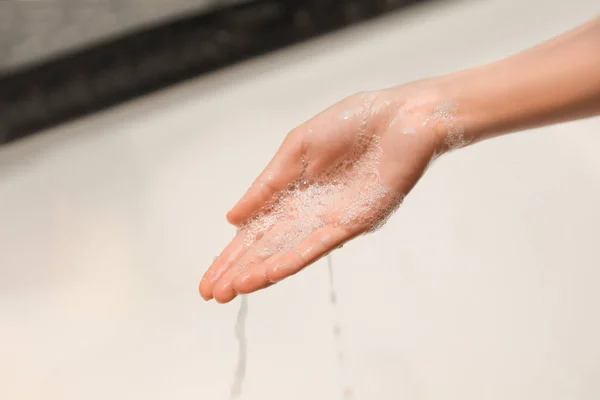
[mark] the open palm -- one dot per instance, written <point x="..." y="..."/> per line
<point x="335" y="177"/>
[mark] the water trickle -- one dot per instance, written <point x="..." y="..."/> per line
<point x="346" y="391"/>
<point x="240" y="334"/>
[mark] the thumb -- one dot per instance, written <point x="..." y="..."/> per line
<point x="286" y="166"/>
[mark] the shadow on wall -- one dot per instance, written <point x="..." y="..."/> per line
<point x="43" y="86"/>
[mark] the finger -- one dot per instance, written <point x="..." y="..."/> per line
<point x="318" y="245"/>
<point x="228" y="257"/>
<point x="256" y="278"/>
<point x="285" y="167"/>
<point x="258" y="253"/>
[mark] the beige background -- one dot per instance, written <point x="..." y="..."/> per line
<point x="483" y="286"/>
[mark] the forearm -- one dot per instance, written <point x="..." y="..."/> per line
<point x="555" y="82"/>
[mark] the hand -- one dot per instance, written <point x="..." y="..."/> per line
<point x="344" y="172"/>
<point x="335" y="177"/>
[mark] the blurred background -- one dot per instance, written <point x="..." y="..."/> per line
<point x="127" y="130"/>
<point x="61" y="59"/>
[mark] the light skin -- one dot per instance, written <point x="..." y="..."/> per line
<point x="557" y="81"/>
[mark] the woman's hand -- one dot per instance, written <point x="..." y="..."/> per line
<point x="345" y="171"/>
<point x="335" y="177"/>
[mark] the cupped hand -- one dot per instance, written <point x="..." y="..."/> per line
<point x="335" y="177"/>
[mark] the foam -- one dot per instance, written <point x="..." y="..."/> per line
<point x="351" y="193"/>
<point x="447" y="114"/>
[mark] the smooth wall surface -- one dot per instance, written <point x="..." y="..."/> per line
<point x="483" y="286"/>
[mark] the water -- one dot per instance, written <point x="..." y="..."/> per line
<point x="240" y="334"/>
<point x="347" y="392"/>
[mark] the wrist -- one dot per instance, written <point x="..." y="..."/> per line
<point x="432" y="107"/>
<point x="555" y="82"/>
<point x="473" y="105"/>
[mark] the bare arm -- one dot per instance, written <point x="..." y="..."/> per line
<point x="345" y="171"/>
<point x="557" y="81"/>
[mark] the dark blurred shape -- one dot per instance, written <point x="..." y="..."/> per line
<point x="39" y="96"/>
